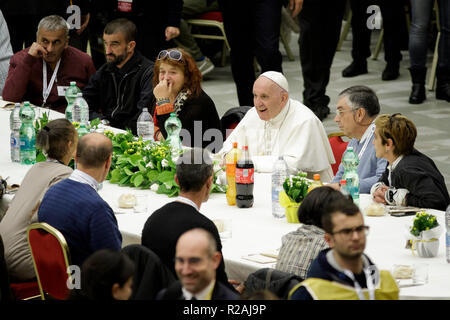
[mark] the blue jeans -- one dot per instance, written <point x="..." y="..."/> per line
<point x="420" y="20"/>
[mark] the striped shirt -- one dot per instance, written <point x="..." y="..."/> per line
<point x="299" y="248"/>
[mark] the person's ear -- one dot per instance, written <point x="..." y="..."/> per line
<point x="360" y="114"/>
<point x="328" y="239"/>
<point x="176" y="179"/>
<point x="131" y="46"/>
<point x="216" y="258"/>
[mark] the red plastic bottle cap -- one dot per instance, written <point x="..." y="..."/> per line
<point x="245" y="148"/>
<point x="343" y="182"/>
<point x="235" y="144"/>
<point x="317" y="176"/>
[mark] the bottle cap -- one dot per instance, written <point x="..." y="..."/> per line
<point x="173" y="114"/>
<point x="235" y="144"/>
<point x="245" y="148"/>
<point x="316" y="176"/>
<point x="73" y="83"/>
<point x="343" y="182"/>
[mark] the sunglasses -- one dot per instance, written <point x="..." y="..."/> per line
<point x="172" y="54"/>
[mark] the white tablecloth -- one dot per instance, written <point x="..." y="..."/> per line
<point x="254" y="230"/>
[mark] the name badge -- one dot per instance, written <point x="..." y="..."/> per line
<point x="62" y="90"/>
<point x="125" y="5"/>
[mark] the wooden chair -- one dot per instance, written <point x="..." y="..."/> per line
<point x="51" y="259"/>
<point x="338" y="145"/>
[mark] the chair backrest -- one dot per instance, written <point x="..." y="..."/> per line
<point x="338" y="146"/>
<point x="278" y="282"/>
<point x="231" y="119"/>
<point x="151" y="274"/>
<point x="51" y="259"/>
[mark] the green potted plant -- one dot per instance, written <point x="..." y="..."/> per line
<point x="295" y="188"/>
<point x="424" y="234"/>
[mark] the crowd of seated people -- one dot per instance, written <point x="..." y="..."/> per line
<point x="167" y="79"/>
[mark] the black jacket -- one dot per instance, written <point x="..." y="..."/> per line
<point x="220" y="292"/>
<point x="418" y="173"/>
<point x="119" y="95"/>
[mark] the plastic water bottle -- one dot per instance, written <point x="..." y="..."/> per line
<point x="350" y="162"/>
<point x="14" y="124"/>
<point x="71" y="95"/>
<point x="173" y="128"/>
<point x="145" y="125"/>
<point x="80" y="110"/>
<point x="344" y="189"/>
<point x="447" y="238"/>
<point x="279" y="175"/>
<point x="27" y="134"/>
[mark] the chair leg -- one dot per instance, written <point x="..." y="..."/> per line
<point x="345" y="31"/>
<point x="224" y="55"/>
<point x="378" y="46"/>
<point x="287" y="47"/>
<point x="432" y="80"/>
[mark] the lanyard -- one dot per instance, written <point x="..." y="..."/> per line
<point x="366" y="143"/>
<point x="187" y="201"/>
<point x="46" y="89"/>
<point x="369" y="282"/>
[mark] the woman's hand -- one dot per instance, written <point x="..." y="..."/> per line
<point x="378" y="195"/>
<point x="164" y="90"/>
<point x="159" y="136"/>
<point x="172" y="32"/>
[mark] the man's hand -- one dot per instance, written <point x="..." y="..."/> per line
<point x="172" y="32"/>
<point x="378" y="195"/>
<point x="37" y="51"/>
<point x="238" y="286"/>
<point x="295" y="6"/>
<point x="164" y="90"/>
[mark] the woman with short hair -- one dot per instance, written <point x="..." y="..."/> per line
<point x="411" y="178"/>
<point x="58" y="141"/>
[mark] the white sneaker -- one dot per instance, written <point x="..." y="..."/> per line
<point x="205" y="66"/>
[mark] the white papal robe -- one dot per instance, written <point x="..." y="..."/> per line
<point x="295" y="133"/>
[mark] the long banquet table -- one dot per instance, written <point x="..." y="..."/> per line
<point x="255" y="231"/>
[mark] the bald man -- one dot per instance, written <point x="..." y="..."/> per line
<point x="280" y="126"/>
<point x="74" y="207"/>
<point x="196" y="262"/>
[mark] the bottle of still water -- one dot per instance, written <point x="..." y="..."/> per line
<point x="279" y="175"/>
<point x="173" y="128"/>
<point x="71" y="95"/>
<point x="350" y="162"/>
<point x="145" y="125"/>
<point x="447" y="235"/>
<point x="80" y="114"/>
<point x="27" y="134"/>
<point x="14" y="124"/>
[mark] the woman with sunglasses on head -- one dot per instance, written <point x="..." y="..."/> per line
<point x="58" y="140"/>
<point x="177" y="89"/>
<point x="411" y="178"/>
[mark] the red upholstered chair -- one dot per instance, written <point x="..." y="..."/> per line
<point x="338" y="146"/>
<point x="51" y="260"/>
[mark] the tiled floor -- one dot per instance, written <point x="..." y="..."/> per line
<point x="432" y="118"/>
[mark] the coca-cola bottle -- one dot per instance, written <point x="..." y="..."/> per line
<point x="244" y="180"/>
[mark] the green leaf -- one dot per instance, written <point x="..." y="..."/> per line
<point x="163" y="190"/>
<point x="94" y="123"/>
<point x="166" y="177"/>
<point x="152" y="175"/>
<point x="142" y="168"/>
<point x="128" y="171"/>
<point x="124" y="181"/>
<point x="40" y="156"/>
<point x="134" y="159"/>
<point x="138" y="180"/>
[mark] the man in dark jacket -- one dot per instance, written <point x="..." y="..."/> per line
<point x="344" y="272"/>
<point x="196" y="262"/>
<point x="120" y="89"/>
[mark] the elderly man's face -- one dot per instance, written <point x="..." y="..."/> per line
<point x="54" y="42"/>
<point x="268" y="98"/>
<point x="345" y="118"/>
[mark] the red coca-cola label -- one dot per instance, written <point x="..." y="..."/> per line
<point x="124" y="5"/>
<point x="244" y="175"/>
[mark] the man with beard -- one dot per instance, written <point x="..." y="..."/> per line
<point x="121" y="88"/>
<point x="42" y="72"/>
<point x="343" y="271"/>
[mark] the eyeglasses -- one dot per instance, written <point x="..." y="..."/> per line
<point x="348" y="232"/>
<point x="340" y="112"/>
<point x="172" y="54"/>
